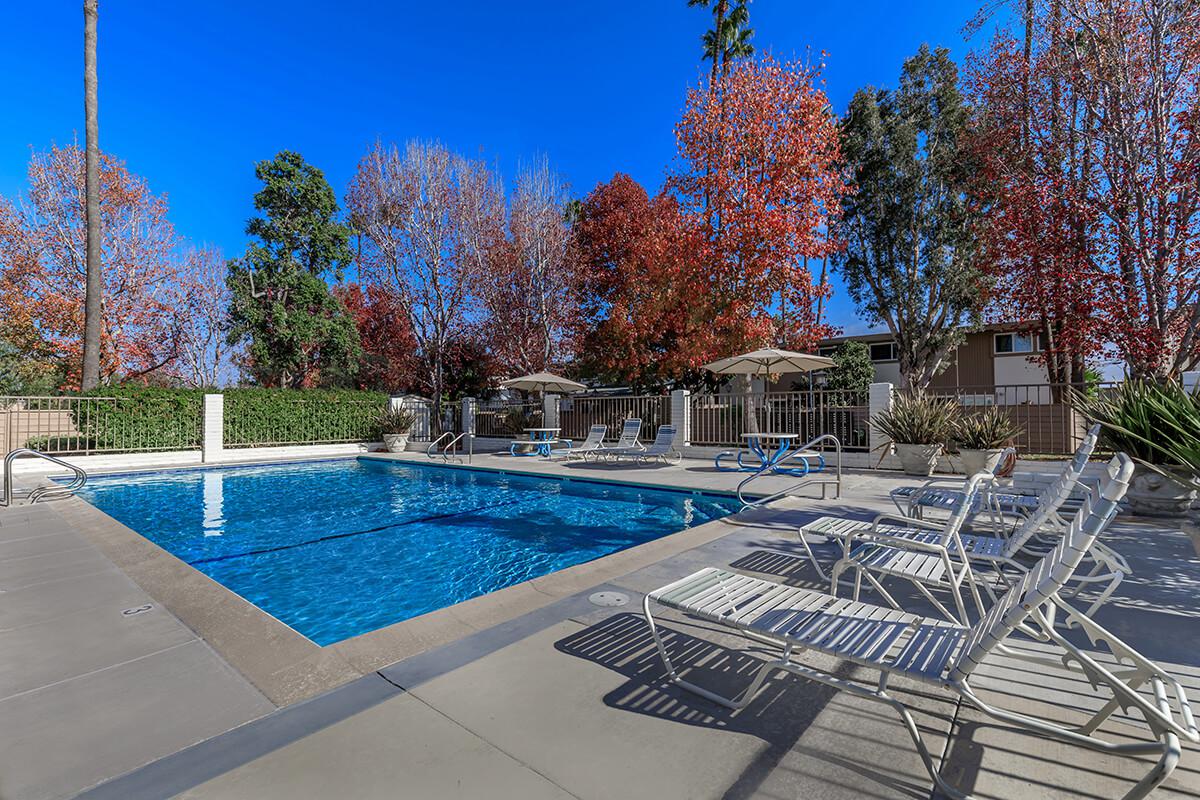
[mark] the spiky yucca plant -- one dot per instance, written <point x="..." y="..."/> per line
<point x="985" y="430"/>
<point x="918" y="418"/>
<point x="395" y="420"/>
<point x="1155" y="423"/>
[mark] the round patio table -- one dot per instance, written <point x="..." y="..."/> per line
<point x="540" y="442"/>
<point x="758" y="445"/>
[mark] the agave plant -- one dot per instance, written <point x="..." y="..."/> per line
<point x="1155" y="423"/>
<point x="918" y="418"/>
<point x="985" y="430"/>
<point x="395" y="421"/>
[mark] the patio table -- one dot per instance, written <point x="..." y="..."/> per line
<point x="758" y="445"/>
<point x="539" y="444"/>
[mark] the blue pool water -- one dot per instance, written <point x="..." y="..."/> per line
<point x="339" y="548"/>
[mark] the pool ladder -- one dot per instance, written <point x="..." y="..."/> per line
<point x="40" y="493"/>
<point x="821" y="478"/>
<point x="449" y="451"/>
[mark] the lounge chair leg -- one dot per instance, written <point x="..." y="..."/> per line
<point x="1161" y="770"/>
<point x="811" y="557"/>
<point x="734" y="703"/>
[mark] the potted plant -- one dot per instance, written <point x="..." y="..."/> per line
<point x="394" y="425"/>
<point x="918" y="425"/>
<point x="981" y="437"/>
<point x="1158" y="425"/>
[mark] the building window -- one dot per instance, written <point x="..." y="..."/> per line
<point x="883" y="351"/>
<point x="1017" y="343"/>
<point x="828" y="351"/>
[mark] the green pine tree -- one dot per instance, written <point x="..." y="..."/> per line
<point x="298" y="333"/>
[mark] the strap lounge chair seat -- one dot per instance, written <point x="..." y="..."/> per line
<point x="946" y="653"/>
<point x="631" y="429"/>
<point x="662" y="449"/>
<point x="594" y="443"/>
<point x="997" y="557"/>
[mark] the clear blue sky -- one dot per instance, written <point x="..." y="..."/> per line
<point x="191" y="95"/>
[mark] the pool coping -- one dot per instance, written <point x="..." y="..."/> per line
<point x="286" y="666"/>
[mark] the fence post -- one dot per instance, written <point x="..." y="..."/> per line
<point x="468" y="415"/>
<point x="550" y="411"/>
<point x="1191" y="380"/>
<point x="213" y="441"/>
<point x="681" y="417"/>
<point x="879" y="399"/>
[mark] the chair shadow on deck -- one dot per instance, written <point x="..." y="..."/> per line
<point x="784" y="708"/>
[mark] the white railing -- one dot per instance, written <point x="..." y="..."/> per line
<point x="721" y="420"/>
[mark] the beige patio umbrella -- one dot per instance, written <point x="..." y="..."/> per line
<point x="543" y="382"/>
<point x="769" y="361"/>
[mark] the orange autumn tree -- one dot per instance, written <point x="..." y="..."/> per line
<point x="759" y="176"/>
<point x="43" y="269"/>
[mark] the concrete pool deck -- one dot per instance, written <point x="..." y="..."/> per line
<point x="544" y="696"/>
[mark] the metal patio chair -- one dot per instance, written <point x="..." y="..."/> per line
<point x="947" y="654"/>
<point x="662" y="449"/>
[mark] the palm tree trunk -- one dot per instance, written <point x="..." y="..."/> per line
<point x="90" y="377"/>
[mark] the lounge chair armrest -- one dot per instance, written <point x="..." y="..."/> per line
<point x="901" y="542"/>
<point x="907" y="522"/>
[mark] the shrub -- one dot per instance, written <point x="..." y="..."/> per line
<point x="985" y="430"/>
<point x="300" y="416"/>
<point x="132" y="418"/>
<point x="1157" y="424"/>
<point x="395" y="421"/>
<point x="918" y="418"/>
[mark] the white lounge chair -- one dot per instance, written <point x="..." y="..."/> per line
<point x="927" y="554"/>
<point x="1020" y="499"/>
<point x="1001" y="557"/>
<point x="662" y="448"/>
<point x="594" y="443"/>
<point x="631" y="429"/>
<point x="946" y="654"/>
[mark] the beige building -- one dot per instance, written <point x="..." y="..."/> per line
<point x="996" y="362"/>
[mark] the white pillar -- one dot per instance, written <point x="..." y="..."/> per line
<point x="468" y="415"/>
<point x="213" y="442"/>
<point x="681" y="416"/>
<point x="879" y="399"/>
<point x="550" y="411"/>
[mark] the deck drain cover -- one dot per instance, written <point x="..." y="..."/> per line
<point x="608" y="599"/>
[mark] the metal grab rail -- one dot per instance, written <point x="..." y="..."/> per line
<point x="814" y="479"/>
<point x="433" y="445"/>
<point x="450" y="450"/>
<point x="41" y="492"/>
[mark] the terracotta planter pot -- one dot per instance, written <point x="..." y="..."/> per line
<point x="918" y="459"/>
<point x="1153" y="495"/>
<point x="395" y="442"/>
<point x="973" y="461"/>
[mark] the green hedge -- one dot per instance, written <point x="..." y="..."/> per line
<point x="138" y="418"/>
<point x="118" y="418"/>
<point x="310" y="416"/>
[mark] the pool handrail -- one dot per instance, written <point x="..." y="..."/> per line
<point x="41" y="492"/>
<point x="821" y="479"/>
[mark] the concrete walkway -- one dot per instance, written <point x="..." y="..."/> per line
<point x="569" y="701"/>
<point x="96" y="679"/>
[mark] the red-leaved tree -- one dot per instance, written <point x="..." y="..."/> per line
<point x="389" y="361"/>
<point x="640" y="287"/>
<point x="43" y="269"/>
<point x="526" y="279"/>
<point x="1090" y="137"/>
<point x="759" y="176"/>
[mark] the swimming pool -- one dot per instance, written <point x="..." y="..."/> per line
<point x="339" y="548"/>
